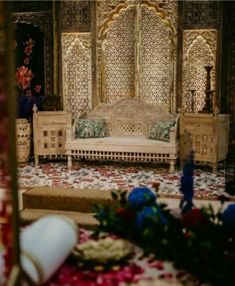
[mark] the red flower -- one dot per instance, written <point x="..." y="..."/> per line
<point x="194" y="218"/>
<point x="26" y="60"/>
<point x="30" y="42"/>
<point x="125" y="214"/>
<point x="24" y="77"/>
<point x="37" y="88"/>
<point x="28" y="50"/>
<point x="29" y="46"/>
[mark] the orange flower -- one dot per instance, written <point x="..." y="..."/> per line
<point x="29" y="46"/>
<point x="26" y="61"/>
<point x="28" y="50"/>
<point x="23" y="77"/>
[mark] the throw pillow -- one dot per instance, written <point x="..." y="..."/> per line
<point x="90" y="128"/>
<point x="160" y="130"/>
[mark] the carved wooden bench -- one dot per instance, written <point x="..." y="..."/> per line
<point x="128" y="124"/>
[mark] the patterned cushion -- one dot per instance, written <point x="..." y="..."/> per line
<point x="160" y="130"/>
<point x="90" y="128"/>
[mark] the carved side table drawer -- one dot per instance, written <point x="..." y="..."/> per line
<point x="208" y="134"/>
<point x="49" y="133"/>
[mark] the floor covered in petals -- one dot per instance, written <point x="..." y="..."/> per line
<point x="114" y="176"/>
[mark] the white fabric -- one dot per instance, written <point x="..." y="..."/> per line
<point x="121" y="140"/>
<point x="48" y="242"/>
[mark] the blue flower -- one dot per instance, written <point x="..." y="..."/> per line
<point x="228" y="216"/>
<point x="149" y="216"/>
<point x="140" y="197"/>
<point x="186" y="186"/>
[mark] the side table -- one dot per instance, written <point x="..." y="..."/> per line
<point x="49" y="134"/>
<point x="208" y="135"/>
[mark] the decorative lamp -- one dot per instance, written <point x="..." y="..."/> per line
<point x="207" y="108"/>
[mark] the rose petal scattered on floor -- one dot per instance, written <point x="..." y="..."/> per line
<point x="119" y="176"/>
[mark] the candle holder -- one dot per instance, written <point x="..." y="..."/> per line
<point x="207" y="108"/>
<point x="192" y="99"/>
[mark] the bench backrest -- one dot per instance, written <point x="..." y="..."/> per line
<point x="129" y="117"/>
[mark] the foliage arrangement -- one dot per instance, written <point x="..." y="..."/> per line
<point x="198" y="240"/>
<point x="29" y="91"/>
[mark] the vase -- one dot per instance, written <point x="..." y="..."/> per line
<point x="23" y="139"/>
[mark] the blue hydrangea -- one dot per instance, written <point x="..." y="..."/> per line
<point x="140" y="197"/>
<point x="148" y="216"/>
<point x="187" y="187"/>
<point x="228" y="216"/>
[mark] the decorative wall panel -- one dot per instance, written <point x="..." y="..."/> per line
<point x="201" y="14"/>
<point x="43" y="21"/>
<point x="199" y="50"/>
<point x="136" y="50"/>
<point x="157" y="60"/>
<point x="75" y="15"/>
<point x="29" y="6"/>
<point x="118" y="74"/>
<point x="104" y="8"/>
<point x="171" y="9"/>
<point x="76" y="74"/>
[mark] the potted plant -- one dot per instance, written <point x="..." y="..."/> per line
<point x="28" y="93"/>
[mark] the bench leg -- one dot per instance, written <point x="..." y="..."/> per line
<point x="69" y="162"/>
<point x="214" y="167"/>
<point x="172" y="166"/>
<point x="36" y="161"/>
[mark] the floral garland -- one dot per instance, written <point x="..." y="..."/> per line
<point x="198" y="240"/>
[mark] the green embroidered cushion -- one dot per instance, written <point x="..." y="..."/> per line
<point x="160" y="130"/>
<point x="90" y="128"/>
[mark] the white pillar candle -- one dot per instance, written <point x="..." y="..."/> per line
<point x="45" y="244"/>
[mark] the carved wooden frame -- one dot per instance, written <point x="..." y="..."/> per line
<point x="101" y="37"/>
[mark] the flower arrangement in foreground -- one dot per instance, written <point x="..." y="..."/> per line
<point x="103" y="251"/>
<point x="198" y="240"/>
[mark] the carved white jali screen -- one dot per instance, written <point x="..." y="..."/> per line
<point x="118" y="73"/>
<point x="199" y="50"/>
<point x="157" y="60"/>
<point x="76" y="72"/>
<point x="137" y="51"/>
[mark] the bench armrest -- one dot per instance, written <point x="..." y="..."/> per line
<point x="69" y="129"/>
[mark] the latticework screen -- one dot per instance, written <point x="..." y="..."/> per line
<point x="156" y="60"/>
<point x="118" y="74"/>
<point x="138" y="44"/>
<point x="76" y="61"/>
<point x="199" y="50"/>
